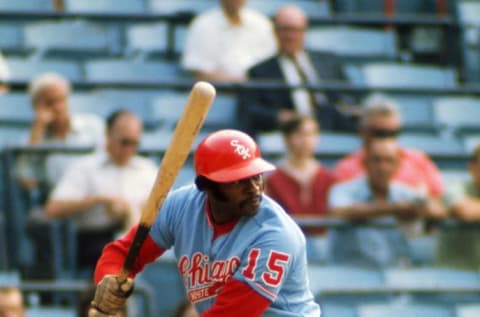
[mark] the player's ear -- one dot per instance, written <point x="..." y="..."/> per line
<point x="202" y="183"/>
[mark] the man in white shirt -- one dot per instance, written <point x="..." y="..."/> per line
<point x="104" y="192"/>
<point x="224" y="42"/>
<point x="53" y="124"/>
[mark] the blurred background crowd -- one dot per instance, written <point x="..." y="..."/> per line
<point x="369" y="109"/>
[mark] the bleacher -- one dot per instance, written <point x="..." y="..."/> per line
<point x="425" y="54"/>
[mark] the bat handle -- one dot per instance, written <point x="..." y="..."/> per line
<point x="140" y="237"/>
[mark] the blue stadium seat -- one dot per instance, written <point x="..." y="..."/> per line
<point x="146" y="39"/>
<point x="16" y="109"/>
<point x="50" y="312"/>
<point x="338" y="310"/>
<point x="4" y="263"/>
<point x="377" y="6"/>
<point x="27" y="69"/>
<point x="406" y="310"/>
<point x="432" y="145"/>
<point x="325" y="278"/>
<point x="91" y="103"/>
<point x="471" y="310"/>
<point x="56" y="38"/>
<point x="357" y="43"/>
<point x="11" y="38"/>
<point x="181" y="6"/>
<point x="118" y="70"/>
<point x="106" y="6"/>
<point x="271" y="143"/>
<point x="470" y="142"/>
<point x="431" y="278"/>
<point x="222" y="113"/>
<point x="422" y="249"/>
<point x="408" y="75"/>
<point x="469" y="20"/>
<point x="457" y="114"/>
<point x="416" y="112"/>
<point x="26" y="5"/>
<point x="313" y="8"/>
<point x="11" y="136"/>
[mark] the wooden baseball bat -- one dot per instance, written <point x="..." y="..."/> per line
<point x="188" y="126"/>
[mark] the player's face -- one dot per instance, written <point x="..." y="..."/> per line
<point x="243" y="197"/>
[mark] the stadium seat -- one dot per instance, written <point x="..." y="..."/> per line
<point x="4" y="265"/>
<point x="146" y="39"/>
<point x="181" y="6"/>
<point x="326" y="278"/>
<point x="377" y="6"/>
<point x="422" y="249"/>
<point x="470" y="142"/>
<point x="27" y="69"/>
<point x="50" y="312"/>
<point x="118" y="70"/>
<point x="16" y="109"/>
<point x="11" y="38"/>
<point x="432" y="145"/>
<point x="106" y="6"/>
<point x="416" y="112"/>
<point x="91" y="103"/>
<point x="56" y="38"/>
<point x="354" y="43"/>
<point x="338" y="310"/>
<point x="11" y="136"/>
<point x="457" y="114"/>
<point x="313" y="8"/>
<point x="408" y="75"/>
<point x="271" y="143"/>
<point x="222" y="113"/>
<point x="26" y="5"/>
<point x="406" y="310"/>
<point x="469" y="21"/>
<point x="472" y="310"/>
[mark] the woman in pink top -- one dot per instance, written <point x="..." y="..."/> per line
<point x="300" y="183"/>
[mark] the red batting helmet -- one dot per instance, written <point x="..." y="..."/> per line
<point x="229" y="155"/>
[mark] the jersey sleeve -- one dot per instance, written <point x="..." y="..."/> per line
<point x="266" y="264"/>
<point x="114" y="254"/>
<point x="163" y="230"/>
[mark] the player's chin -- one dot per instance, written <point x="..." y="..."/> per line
<point x="251" y="206"/>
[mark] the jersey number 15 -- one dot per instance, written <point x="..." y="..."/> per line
<point x="275" y="267"/>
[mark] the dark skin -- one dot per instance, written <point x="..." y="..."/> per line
<point x="229" y="201"/>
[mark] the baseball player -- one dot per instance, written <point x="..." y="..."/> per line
<point x="238" y="252"/>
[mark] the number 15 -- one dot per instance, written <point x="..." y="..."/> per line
<point x="276" y="263"/>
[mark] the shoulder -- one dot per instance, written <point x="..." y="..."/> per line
<point x="144" y="163"/>
<point x="265" y="66"/>
<point x="255" y="17"/>
<point x="272" y="223"/>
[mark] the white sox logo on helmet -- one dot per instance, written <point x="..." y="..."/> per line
<point x="241" y="149"/>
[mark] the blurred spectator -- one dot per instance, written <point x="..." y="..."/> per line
<point x="224" y="42"/>
<point x="300" y="183"/>
<point x="105" y="192"/>
<point x="459" y="246"/>
<point x="54" y="125"/>
<point x="11" y="302"/>
<point x="185" y="309"/>
<point x="4" y="74"/>
<point x="377" y="195"/>
<point x="382" y="119"/>
<point x="263" y="110"/>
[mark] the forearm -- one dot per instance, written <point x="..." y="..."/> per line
<point x="467" y="210"/>
<point x="58" y="208"/>
<point x="36" y="133"/>
<point x="435" y="209"/>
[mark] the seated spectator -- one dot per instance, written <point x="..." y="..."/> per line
<point x="263" y="110"/>
<point x="52" y="125"/>
<point x="458" y="246"/>
<point x="185" y="309"/>
<point x="382" y="119"/>
<point x="105" y="192"/>
<point x="300" y="183"/>
<point x="11" y="302"/>
<point x="224" y="42"/>
<point x="377" y="195"/>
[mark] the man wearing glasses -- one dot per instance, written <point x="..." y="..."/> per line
<point x="104" y="192"/>
<point x="382" y="119"/>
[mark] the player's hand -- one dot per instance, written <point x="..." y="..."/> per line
<point x="92" y="312"/>
<point x="110" y="296"/>
<point x="43" y="115"/>
<point x="118" y="207"/>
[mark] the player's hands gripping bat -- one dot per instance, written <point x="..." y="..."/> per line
<point x="111" y="297"/>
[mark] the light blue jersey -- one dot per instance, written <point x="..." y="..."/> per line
<point x="266" y="251"/>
